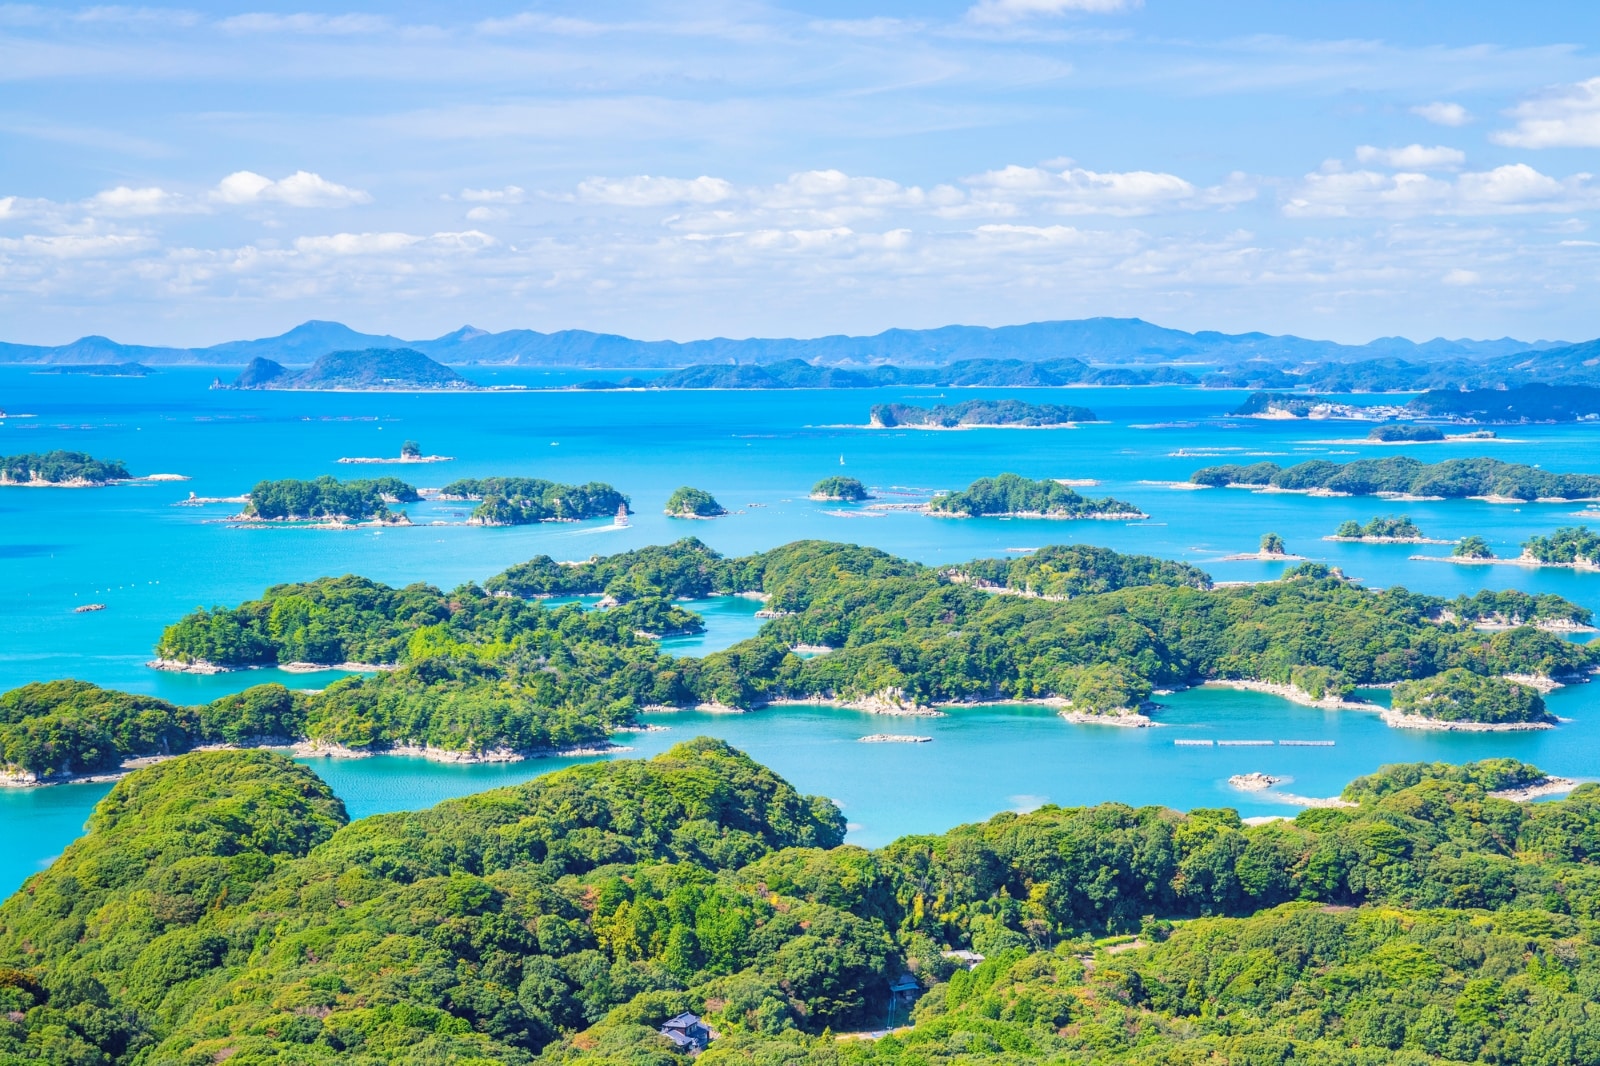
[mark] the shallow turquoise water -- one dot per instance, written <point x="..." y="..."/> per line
<point x="149" y="562"/>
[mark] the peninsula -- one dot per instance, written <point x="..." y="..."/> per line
<point x="98" y="370"/>
<point x="516" y="501"/>
<point x="1459" y="699"/>
<point x="1522" y="404"/>
<point x="978" y="414"/>
<point x="572" y="917"/>
<point x="372" y="370"/>
<point x="60" y="469"/>
<point x="1013" y="496"/>
<point x="1404" y="477"/>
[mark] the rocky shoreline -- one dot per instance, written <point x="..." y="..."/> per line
<point x="201" y="666"/>
<point x="1292" y="694"/>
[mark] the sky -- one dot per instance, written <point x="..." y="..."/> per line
<point x="188" y="175"/>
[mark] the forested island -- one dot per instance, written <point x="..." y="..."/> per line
<point x="222" y="905"/>
<point x="1576" y="547"/>
<point x="98" y="370"/>
<point x="326" y="499"/>
<point x="1524" y="403"/>
<point x="1401" y="475"/>
<point x="840" y="489"/>
<point x="1405" y="434"/>
<point x="485" y="668"/>
<point x="1014" y="496"/>
<point x="689" y="502"/>
<point x="1384" y="530"/>
<point x="61" y="469"/>
<point x="799" y="374"/>
<point x="978" y="414"/>
<point x="371" y="370"/>
<point x="1460" y="698"/>
<point x="515" y="501"/>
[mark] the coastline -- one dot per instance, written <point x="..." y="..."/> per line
<point x="1388" y="540"/>
<point x="1526" y="561"/>
<point x="1292" y="694"/>
<point x="1104" y="516"/>
<point x="201" y="666"/>
<point x="1262" y="557"/>
<point x="1549" y="786"/>
<point x="1395" y="720"/>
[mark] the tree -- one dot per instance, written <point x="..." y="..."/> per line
<point x="1272" y="544"/>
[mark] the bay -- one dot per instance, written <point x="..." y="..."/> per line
<point x="150" y="561"/>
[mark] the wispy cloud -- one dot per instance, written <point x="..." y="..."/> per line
<point x="1412" y="157"/>
<point x="1005" y="11"/>
<point x="1441" y="113"/>
<point x="1568" y="117"/>
<point x="1514" y="189"/>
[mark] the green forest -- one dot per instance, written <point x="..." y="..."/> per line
<point x="327" y="498"/>
<point x="222" y="907"/>
<point x="491" y="667"/>
<point x="840" y="488"/>
<point x="1011" y="494"/>
<point x="689" y="502"/>
<point x="1380" y="528"/>
<point x="515" y="501"/>
<point x="979" y="413"/>
<point x="61" y="467"/>
<point x="1451" y="479"/>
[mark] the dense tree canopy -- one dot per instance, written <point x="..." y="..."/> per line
<point x="515" y="501"/>
<point x="61" y="467"/>
<point x="1451" y="479"/>
<point x="324" y="497"/>
<point x="1011" y="494"/>
<point x="689" y="502"/>
<point x="220" y="908"/>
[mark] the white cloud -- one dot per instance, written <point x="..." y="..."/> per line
<point x="300" y="189"/>
<point x="487" y="214"/>
<point x="125" y="201"/>
<point x="77" y="246"/>
<point x="1508" y="190"/>
<point x="367" y="244"/>
<point x="1566" y="118"/>
<point x="1078" y="191"/>
<point x="1441" y="113"/>
<point x="1412" y="157"/>
<point x="1005" y="11"/>
<point x="511" y="194"/>
<point x="311" y="24"/>
<point x="647" y="191"/>
<point x="1462" y="277"/>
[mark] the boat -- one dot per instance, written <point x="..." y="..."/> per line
<point x="89" y="607"/>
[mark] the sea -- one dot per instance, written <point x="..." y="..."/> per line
<point x="149" y="559"/>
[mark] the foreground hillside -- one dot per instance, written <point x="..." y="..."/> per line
<point x="221" y="909"/>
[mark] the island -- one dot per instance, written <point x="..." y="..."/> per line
<point x="1473" y="548"/>
<point x="1459" y="699"/>
<point x="1383" y="530"/>
<point x="1570" y="547"/>
<point x="1289" y="405"/>
<point x="1272" y="550"/>
<point x="60" y="469"/>
<point x="328" y="501"/>
<point x="963" y="373"/>
<point x="1404" y="477"/>
<point x="1403" y="434"/>
<point x="577" y="916"/>
<point x="515" y="501"/>
<point x="687" y="502"/>
<point x="1516" y="405"/>
<point x="370" y="370"/>
<point x="410" y="452"/>
<point x="978" y="414"/>
<point x="98" y="370"/>
<point x="840" y="490"/>
<point x="1014" y="496"/>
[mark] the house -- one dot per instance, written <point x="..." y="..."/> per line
<point x="969" y="959"/>
<point x="687" y="1033"/>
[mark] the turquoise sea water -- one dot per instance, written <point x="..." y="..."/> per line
<point x="149" y="561"/>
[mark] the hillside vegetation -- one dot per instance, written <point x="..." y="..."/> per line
<point x="221" y="908"/>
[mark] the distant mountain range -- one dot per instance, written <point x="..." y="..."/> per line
<point x="1091" y="340"/>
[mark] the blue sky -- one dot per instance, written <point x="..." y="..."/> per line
<point x="194" y="174"/>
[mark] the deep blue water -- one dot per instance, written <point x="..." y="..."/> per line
<point x="149" y="561"/>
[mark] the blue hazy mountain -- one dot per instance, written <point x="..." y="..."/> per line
<point x="1096" y="340"/>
